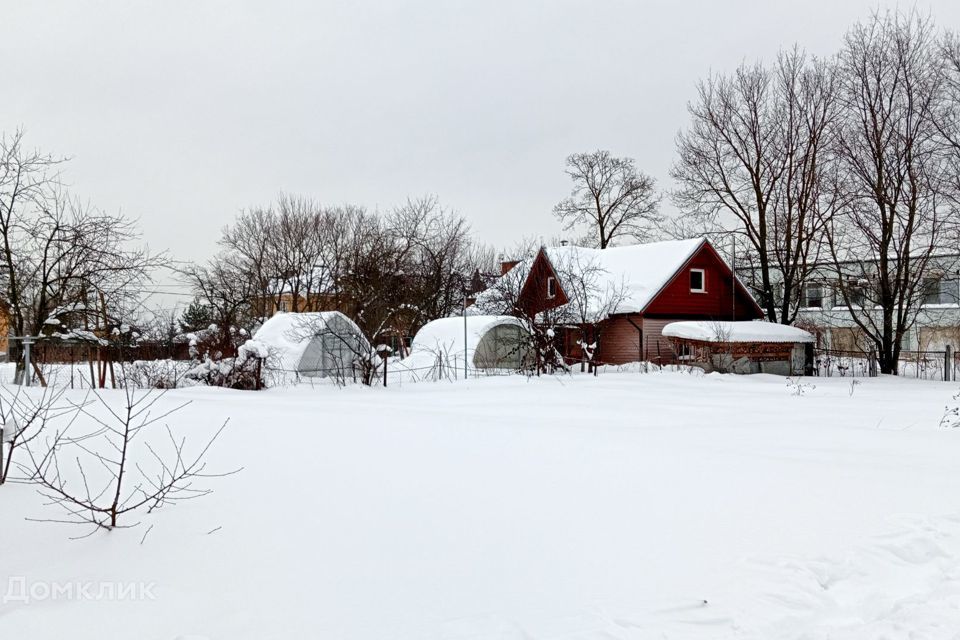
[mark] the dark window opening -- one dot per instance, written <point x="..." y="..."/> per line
<point x="813" y="296"/>
<point x="697" y="278"/>
<point x="940" y="291"/>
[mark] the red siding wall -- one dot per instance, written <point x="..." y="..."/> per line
<point x="656" y="348"/>
<point x="678" y="302"/>
<point x="534" y="297"/>
<point x="620" y="341"/>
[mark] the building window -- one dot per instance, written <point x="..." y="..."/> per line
<point x="856" y="293"/>
<point x="813" y="296"/>
<point x="949" y="292"/>
<point x="284" y="306"/>
<point x="698" y="281"/>
<point x="551" y="287"/>
<point x="941" y="291"/>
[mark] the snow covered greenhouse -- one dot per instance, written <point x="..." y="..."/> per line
<point x="489" y="343"/>
<point x="316" y="345"/>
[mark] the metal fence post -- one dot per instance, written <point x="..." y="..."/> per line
<point x="27" y="371"/>
<point x="947" y="362"/>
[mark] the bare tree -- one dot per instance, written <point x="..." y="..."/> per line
<point x="950" y="115"/>
<point x="592" y="297"/>
<point x="437" y="256"/>
<point x="229" y="294"/>
<point x="753" y="163"/>
<point x="389" y="273"/>
<point x="610" y="198"/>
<point x="101" y="463"/>
<point x="284" y="252"/>
<point x="63" y="261"/>
<point x="22" y="417"/>
<point x="898" y="194"/>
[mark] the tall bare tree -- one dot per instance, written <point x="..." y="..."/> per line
<point x="283" y="249"/>
<point x="950" y="116"/>
<point x="611" y="199"/>
<point x="390" y="273"/>
<point x="899" y="209"/>
<point x="63" y="261"/>
<point x="753" y="163"/>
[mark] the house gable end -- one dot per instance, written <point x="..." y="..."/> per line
<point x="714" y="298"/>
<point x="534" y="296"/>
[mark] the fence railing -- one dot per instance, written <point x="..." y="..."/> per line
<point x="840" y="363"/>
<point x="69" y="352"/>
<point x="922" y="365"/>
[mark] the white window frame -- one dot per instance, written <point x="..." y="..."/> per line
<point x="703" y="280"/>
<point x="551" y="287"/>
<point x="823" y="295"/>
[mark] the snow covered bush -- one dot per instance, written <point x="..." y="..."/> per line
<point x="798" y="387"/>
<point x="153" y="374"/>
<point x="951" y="413"/>
<point x="243" y="372"/>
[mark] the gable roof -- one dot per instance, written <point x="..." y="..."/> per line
<point x="634" y="274"/>
<point x="639" y="272"/>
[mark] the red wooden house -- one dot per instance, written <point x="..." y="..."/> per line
<point x="618" y="300"/>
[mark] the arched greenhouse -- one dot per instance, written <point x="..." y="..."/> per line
<point x="315" y="345"/>
<point x="488" y="342"/>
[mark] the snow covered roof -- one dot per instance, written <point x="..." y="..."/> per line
<point x="759" y="331"/>
<point x="446" y="334"/>
<point x="633" y="274"/>
<point x="640" y="270"/>
<point x="287" y="335"/>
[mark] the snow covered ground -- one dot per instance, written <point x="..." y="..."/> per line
<point x="623" y="506"/>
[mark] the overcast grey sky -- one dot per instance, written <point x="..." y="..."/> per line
<point x="182" y="113"/>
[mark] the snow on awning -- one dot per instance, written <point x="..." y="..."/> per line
<point x="709" y="331"/>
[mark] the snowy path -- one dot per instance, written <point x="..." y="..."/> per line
<point x="576" y="508"/>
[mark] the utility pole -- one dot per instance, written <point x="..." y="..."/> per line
<point x="733" y="278"/>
